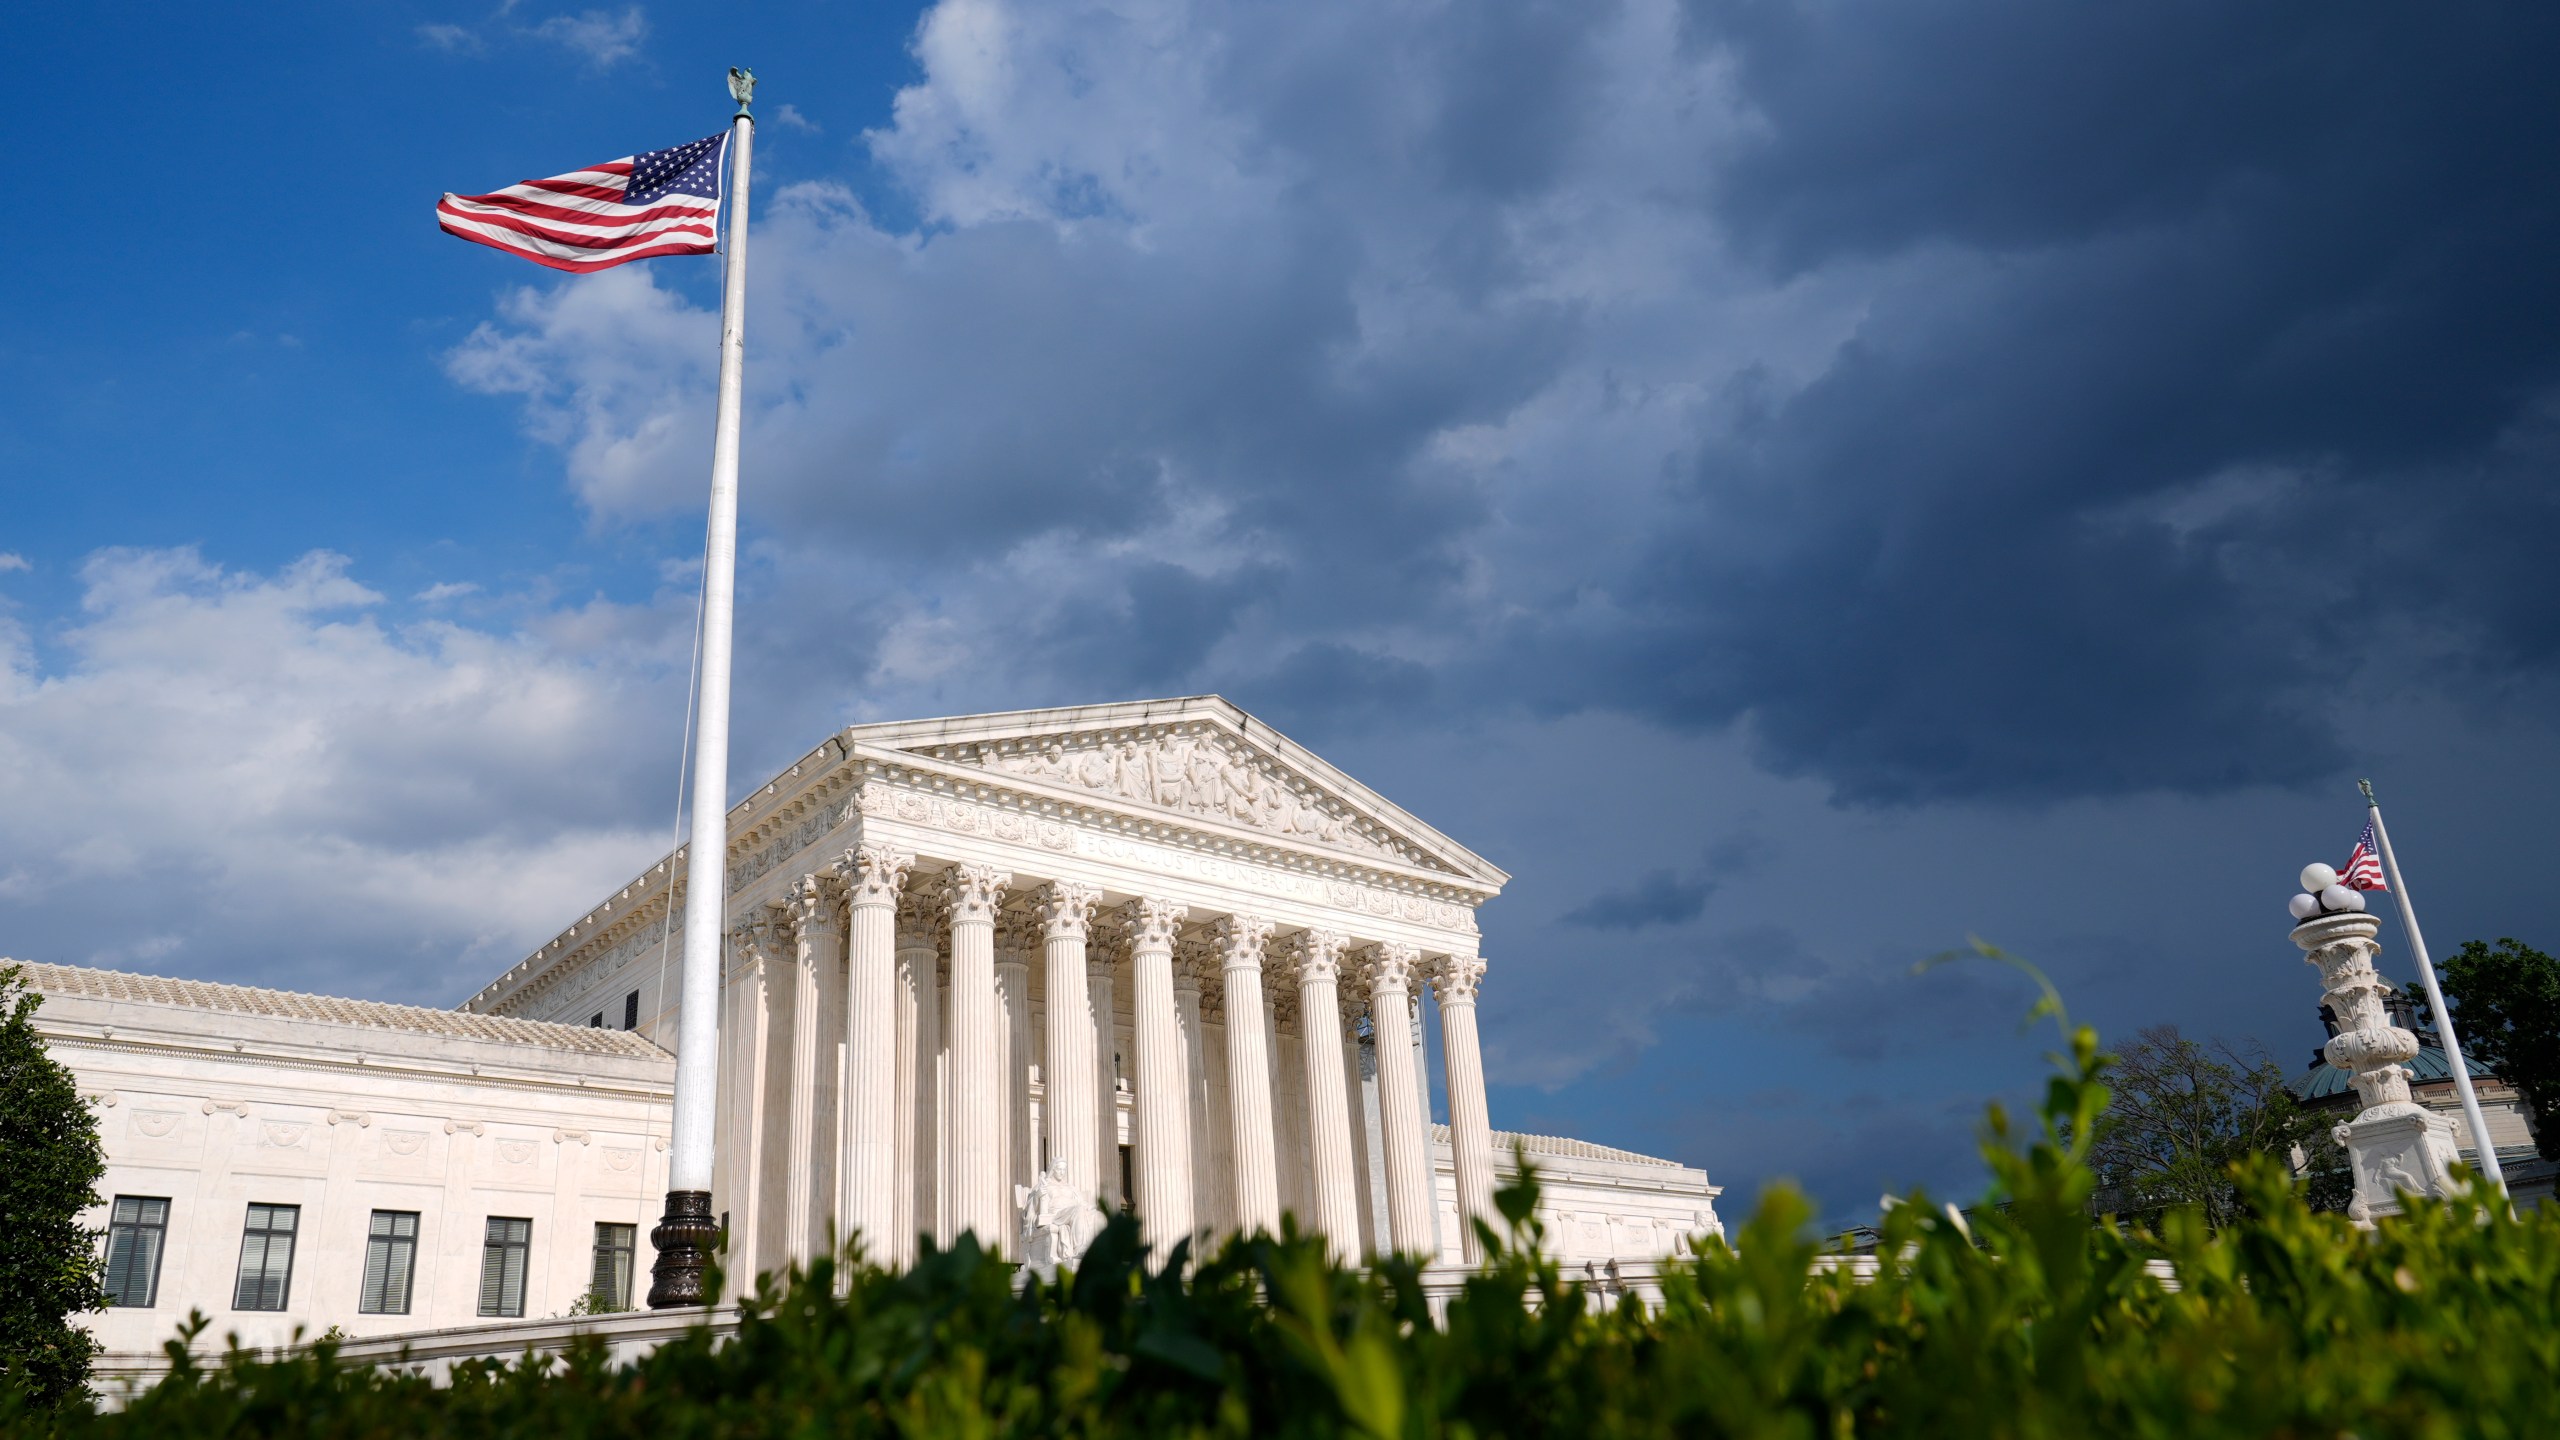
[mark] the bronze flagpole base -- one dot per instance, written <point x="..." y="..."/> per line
<point x="684" y="1239"/>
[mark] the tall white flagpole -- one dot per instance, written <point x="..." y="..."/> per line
<point x="686" y="1236"/>
<point x="2435" y="997"/>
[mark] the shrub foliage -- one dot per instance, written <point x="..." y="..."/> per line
<point x="2024" y="1320"/>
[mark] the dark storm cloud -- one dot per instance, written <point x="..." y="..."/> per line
<point x="1660" y="898"/>
<point x="2136" y="251"/>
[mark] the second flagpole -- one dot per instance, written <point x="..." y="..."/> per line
<point x="2435" y="997"/>
<point x="686" y="1237"/>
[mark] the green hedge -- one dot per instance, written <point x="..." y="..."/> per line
<point x="2033" y="1323"/>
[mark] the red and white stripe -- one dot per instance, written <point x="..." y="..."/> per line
<point x="578" y="222"/>
<point x="2363" y="870"/>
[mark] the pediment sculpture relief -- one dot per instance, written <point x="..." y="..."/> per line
<point x="1205" y="775"/>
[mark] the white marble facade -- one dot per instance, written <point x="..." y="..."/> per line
<point x="1156" y="940"/>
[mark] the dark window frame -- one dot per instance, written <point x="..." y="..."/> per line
<point x="123" y="1233"/>
<point x="616" y="1259"/>
<point x="259" y="1235"/>
<point x="503" y="1237"/>
<point x="374" y="1289"/>
<point x="631" y="1011"/>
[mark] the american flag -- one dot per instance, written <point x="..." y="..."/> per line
<point x="2363" y="870"/>
<point x="659" y="202"/>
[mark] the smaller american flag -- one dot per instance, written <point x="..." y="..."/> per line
<point x="2363" y="870"/>
<point x="659" y="202"/>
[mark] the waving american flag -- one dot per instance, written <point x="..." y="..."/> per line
<point x="659" y="202"/>
<point x="2363" y="870"/>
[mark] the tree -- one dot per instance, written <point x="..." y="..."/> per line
<point x="2182" y="1113"/>
<point x="49" y="1261"/>
<point x="2507" y="1000"/>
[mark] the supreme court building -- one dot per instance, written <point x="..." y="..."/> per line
<point x="1157" y="944"/>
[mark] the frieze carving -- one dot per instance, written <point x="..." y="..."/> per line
<point x="515" y="1152"/>
<point x="622" y="1158"/>
<point x="280" y="1135"/>
<point x="1210" y="775"/>
<point x="404" y="1142"/>
<point x="789" y="842"/>
<point x="155" y="1124"/>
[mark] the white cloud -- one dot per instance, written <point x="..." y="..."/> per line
<point x="10" y="561"/>
<point x="602" y="38"/>
<point x="259" y="773"/>
<point x="446" y="590"/>
<point x="788" y="115"/>
<point x="451" y="39"/>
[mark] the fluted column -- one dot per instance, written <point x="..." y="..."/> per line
<point x="1316" y="955"/>
<point x="873" y="878"/>
<point x="1239" y="940"/>
<point x="1391" y="971"/>
<point x="919" y="1063"/>
<point x="1454" y="981"/>
<point x="815" y="1006"/>
<point x="1164" y="1119"/>
<point x="1103" y="987"/>
<point x="1014" y="938"/>
<point x="1210" y="1211"/>
<point x="1065" y="911"/>
<point x="972" y="893"/>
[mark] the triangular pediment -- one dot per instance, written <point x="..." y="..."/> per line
<point x="1200" y="757"/>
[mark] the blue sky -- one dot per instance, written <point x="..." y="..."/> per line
<point x="1795" y="484"/>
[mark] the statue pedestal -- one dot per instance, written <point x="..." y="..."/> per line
<point x="2394" y="1152"/>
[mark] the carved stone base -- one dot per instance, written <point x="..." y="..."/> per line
<point x="2403" y="1151"/>
<point x="685" y="1239"/>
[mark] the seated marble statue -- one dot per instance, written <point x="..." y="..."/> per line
<point x="1058" y="1221"/>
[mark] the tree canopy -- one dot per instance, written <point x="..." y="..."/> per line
<point x="2182" y="1113"/>
<point x="2506" y="1005"/>
<point x="50" y="1162"/>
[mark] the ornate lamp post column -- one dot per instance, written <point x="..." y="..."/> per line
<point x="2395" y="1146"/>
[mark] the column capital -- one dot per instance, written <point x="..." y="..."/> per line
<point x="1017" y="937"/>
<point x="812" y="902"/>
<point x="1065" y="909"/>
<point x="1315" y="954"/>
<point x="1456" y="979"/>
<point x="1390" y="965"/>
<point x="973" y="892"/>
<point x="874" y="874"/>
<point x="1152" y="922"/>
<point x="1239" y="939"/>
<point x="919" y="919"/>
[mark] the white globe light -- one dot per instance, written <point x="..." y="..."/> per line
<point x="2316" y="878"/>
<point x="2305" y="906"/>
<point x="2354" y="900"/>
<point x="2339" y="897"/>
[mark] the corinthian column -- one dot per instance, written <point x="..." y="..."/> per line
<point x="1066" y="918"/>
<point x="919" y="1064"/>
<point x="815" y="1006"/>
<point x="972" y="893"/>
<point x="1317" y="957"/>
<point x="1239" y="940"/>
<point x="1391" y="973"/>
<point x="873" y="876"/>
<point x="1454" y="981"/>
<point x="1014" y="939"/>
<point x="1164" y="1119"/>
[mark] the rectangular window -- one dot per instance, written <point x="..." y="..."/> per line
<point x="631" y="1011"/>
<point x="1128" y="1181"/>
<point x="596" y="1021"/>
<point x="610" y="1290"/>
<point x="390" y="1263"/>
<point x="137" y="1229"/>
<point x="504" y="1256"/>
<point x="266" y="1257"/>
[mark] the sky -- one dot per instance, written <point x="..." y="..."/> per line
<point x="1796" y="484"/>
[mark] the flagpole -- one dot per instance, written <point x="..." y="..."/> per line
<point x="2435" y="996"/>
<point x="686" y="1237"/>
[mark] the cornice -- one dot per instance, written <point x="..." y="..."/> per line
<point x="577" y="1083"/>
